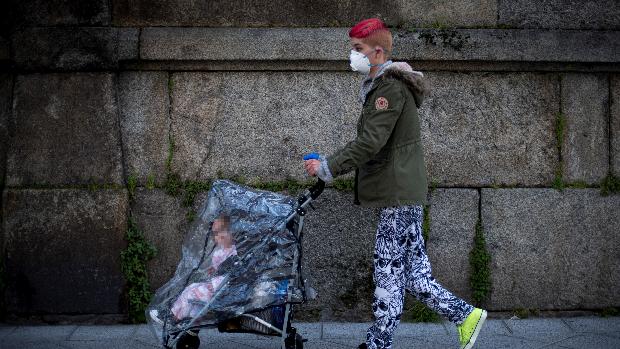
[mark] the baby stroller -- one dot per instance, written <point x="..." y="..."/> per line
<point x="240" y="269"/>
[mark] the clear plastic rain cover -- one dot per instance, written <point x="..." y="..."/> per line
<point x="238" y="257"/>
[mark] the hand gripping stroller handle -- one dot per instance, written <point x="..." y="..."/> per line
<point x="317" y="189"/>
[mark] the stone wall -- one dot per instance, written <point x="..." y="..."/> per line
<point x="96" y="93"/>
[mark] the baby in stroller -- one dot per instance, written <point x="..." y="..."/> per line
<point x="240" y="269"/>
<point x="200" y="292"/>
<point x="191" y="301"/>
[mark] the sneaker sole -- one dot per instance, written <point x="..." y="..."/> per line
<point x="473" y="338"/>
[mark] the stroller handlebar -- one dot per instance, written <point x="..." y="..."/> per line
<point x="317" y="189"/>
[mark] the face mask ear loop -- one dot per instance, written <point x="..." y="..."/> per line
<point x="373" y="65"/>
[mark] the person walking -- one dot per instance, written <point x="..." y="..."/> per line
<point x="390" y="173"/>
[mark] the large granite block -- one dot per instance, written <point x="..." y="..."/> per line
<point x="331" y="44"/>
<point x="338" y="245"/>
<point x="453" y="215"/>
<point x="74" y="48"/>
<point x="289" y="13"/>
<point x="567" y="14"/>
<point x="478" y="129"/>
<point x="485" y="129"/>
<point x="552" y="250"/>
<point x="506" y="45"/>
<point x="585" y="152"/>
<point x="615" y="123"/>
<point x="65" y="130"/>
<point x="60" y="12"/>
<point x="258" y="125"/>
<point x="143" y="102"/>
<point x="244" y="43"/>
<point x="63" y="250"/>
<point x="162" y="220"/>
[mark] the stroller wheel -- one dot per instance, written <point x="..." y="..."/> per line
<point x="294" y="342"/>
<point x="188" y="341"/>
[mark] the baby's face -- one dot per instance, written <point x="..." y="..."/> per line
<point x="221" y="234"/>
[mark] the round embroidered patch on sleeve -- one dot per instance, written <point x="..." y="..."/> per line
<point x="381" y="103"/>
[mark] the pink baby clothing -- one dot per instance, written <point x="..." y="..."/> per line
<point x="201" y="291"/>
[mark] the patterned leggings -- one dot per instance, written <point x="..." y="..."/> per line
<point x="401" y="264"/>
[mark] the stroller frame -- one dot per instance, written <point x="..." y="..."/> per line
<point x="290" y="339"/>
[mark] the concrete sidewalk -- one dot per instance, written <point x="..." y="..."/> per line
<point x="576" y="332"/>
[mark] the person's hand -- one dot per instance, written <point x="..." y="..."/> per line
<point x="312" y="167"/>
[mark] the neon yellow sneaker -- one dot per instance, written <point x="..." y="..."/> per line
<point x="469" y="329"/>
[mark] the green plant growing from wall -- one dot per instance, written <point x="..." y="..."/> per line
<point x="150" y="182"/>
<point x="133" y="265"/>
<point x="479" y="261"/>
<point x="132" y="183"/>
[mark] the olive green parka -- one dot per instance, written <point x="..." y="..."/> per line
<point x="387" y="153"/>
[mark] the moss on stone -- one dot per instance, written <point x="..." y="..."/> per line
<point x="346" y="185"/>
<point x="524" y="313"/>
<point x="610" y="185"/>
<point x="479" y="261"/>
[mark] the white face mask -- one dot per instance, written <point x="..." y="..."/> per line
<point x="359" y="62"/>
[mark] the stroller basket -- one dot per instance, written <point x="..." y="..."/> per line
<point x="240" y="269"/>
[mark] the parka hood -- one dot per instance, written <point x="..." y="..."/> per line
<point x="414" y="80"/>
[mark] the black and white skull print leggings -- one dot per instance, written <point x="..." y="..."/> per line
<point x="401" y="263"/>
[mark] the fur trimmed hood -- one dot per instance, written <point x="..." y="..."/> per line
<point x="414" y="80"/>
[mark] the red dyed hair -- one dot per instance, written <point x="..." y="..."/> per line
<point x="373" y="32"/>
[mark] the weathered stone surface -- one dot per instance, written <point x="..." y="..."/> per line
<point x="615" y="123"/>
<point x="453" y="214"/>
<point x="128" y="43"/>
<point x="288" y="13"/>
<point x="258" y="125"/>
<point x="65" y="130"/>
<point x="568" y="14"/>
<point x="448" y="13"/>
<point x="338" y="245"/>
<point x="63" y="250"/>
<point x="143" y="100"/>
<point x="5" y="53"/>
<point x="508" y="45"/>
<point x="258" y="44"/>
<point x="585" y="152"/>
<point x="6" y="92"/>
<point x="503" y="124"/>
<point x="244" y="44"/>
<point x="551" y="249"/>
<point x="60" y="12"/>
<point x="162" y="220"/>
<point x="485" y="129"/>
<point x="74" y="48"/>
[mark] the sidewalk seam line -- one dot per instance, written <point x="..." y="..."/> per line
<point x="71" y="334"/>
<point x="507" y="327"/>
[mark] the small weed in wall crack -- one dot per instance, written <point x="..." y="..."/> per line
<point x="133" y="265"/>
<point x="479" y="260"/>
